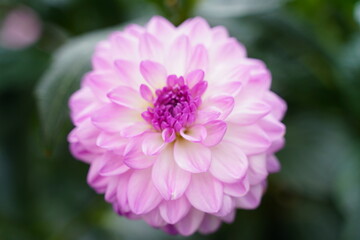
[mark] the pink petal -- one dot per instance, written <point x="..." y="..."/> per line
<point x="257" y="169"/>
<point x="168" y="135"/>
<point x="215" y="133"/>
<point x="190" y="223"/>
<point x="196" y="133"/>
<point x="135" y="158"/>
<point x="237" y="189"/>
<point x="273" y="164"/>
<point x="152" y="143"/>
<point x="229" y="164"/>
<point x="227" y="207"/>
<point x="205" y="193"/>
<point x="111" y="141"/>
<point x="111" y="189"/>
<point x="178" y="56"/>
<point x="277" y="104"/>
<point x="250" y="113"/>
<point x="146" y="93"/>
<point x="192" y="157"/>
<point x="209" y="224"/>
<point x="114" y="118"/>
<point x="194" y="78"/>
<point x="142" y="194"/>
<point x="127" y="97"/>
<point x="154" y="218"/>
<point x="121" y="194"/>
<point x="128" y="72"/>
<point x="160" y="27"/>
<point x="150" y="48"/>
<point x="173" y="211"/>
<point x="252" y="199"/>
<point x="251" y="139"/>
<point x="154" y="73"/>
<point x="223" y="104"/>
<point x="205" y="116"/>
<point x="199" y="59"/>
<point x="135" y="129"/>
<point x="114" y="165"/>
<point x="169" y="179"/>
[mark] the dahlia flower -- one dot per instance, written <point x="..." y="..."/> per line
<point x="178" y="125"/>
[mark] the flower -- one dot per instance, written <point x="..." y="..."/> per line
<point x="20" y="28"/>
<point x="178" y="125"/>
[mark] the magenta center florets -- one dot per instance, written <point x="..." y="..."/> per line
<point x="174" y="107"/>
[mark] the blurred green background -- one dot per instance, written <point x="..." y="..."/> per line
<point x="312" y="48"/>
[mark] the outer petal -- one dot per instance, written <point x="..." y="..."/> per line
<point x="205" y="193"/>
<point x="192" y="157"/>
<point x="174" y="210"/>
<point x="209" y="224"/>
<point x="237" y="189"/>
<point x="142" y="194"/>
<point x="150" y="48"/>
<point x="252" y="199"/>
<point x="190" y="223"/>
<point x="229" y="163"/>
<point x="178" y="56"/>
<point x="154" y="218"/>
<point x="169" y="179"/>
<point x="251" y="139"/>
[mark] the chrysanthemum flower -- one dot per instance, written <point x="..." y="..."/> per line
<point x="178" y="125"/>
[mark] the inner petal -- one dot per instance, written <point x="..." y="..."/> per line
<point x="175" y="105"/>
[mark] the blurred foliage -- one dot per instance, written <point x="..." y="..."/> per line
<point x="311" y="47"/>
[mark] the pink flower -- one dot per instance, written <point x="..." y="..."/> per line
<point x="178" y="125"/>
<point x="21" y="28"/>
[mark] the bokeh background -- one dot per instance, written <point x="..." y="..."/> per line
<point x="312" y="48"/>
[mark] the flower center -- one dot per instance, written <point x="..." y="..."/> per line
<point x="175" y="106"/>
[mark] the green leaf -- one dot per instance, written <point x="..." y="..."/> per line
<point x="62" y="78"/>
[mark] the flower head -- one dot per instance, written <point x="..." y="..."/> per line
<point x="178" y="125"/>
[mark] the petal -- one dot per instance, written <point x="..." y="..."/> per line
<point x="128" y="72"/>
<point x="114" y="165"/>
<point x="154" y="218"/>
<point x="113" y="118"/>
<point x="209" y="224"/>
<point x="152" y="143"/>
<point x="190" y="223"/>
<point x="196" y="133"/>
<point x="169" y="179"/>
<point x="194" y="78"/>
<point x="215" y="132"/>
<point x="273" y="164"/>
<point x="251" y="139"/>
<point x="121" y="194"/>
<point x="160" y="27"/>
<point x="135" y="158"/>
<point x="135" y="129"/>
<point x="168" y="135"/>
<point x="111" y="141"/>
<point x="127" y="97"/>
<point x="146" y="93"/>
<point x="154" y="73"/>
<point x="142" y="194"/>
<point x="205" y="193"/>
<point x="150" y="48"/>
<point x="174" y="210"/>
<point x="227" y="207"/>
<point x="249" y="114"/>
<point x="237" y="189"/>
<point x="111" y="189"/>
<point x="257" y="169"/>
<point x="199" y="59"/>
<point x="252" y="199"/>
<point x="222" y="104"/>
<point x="229" y="164"/>
<point x="192" y="157"/>
<point x="178" y="55"/>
